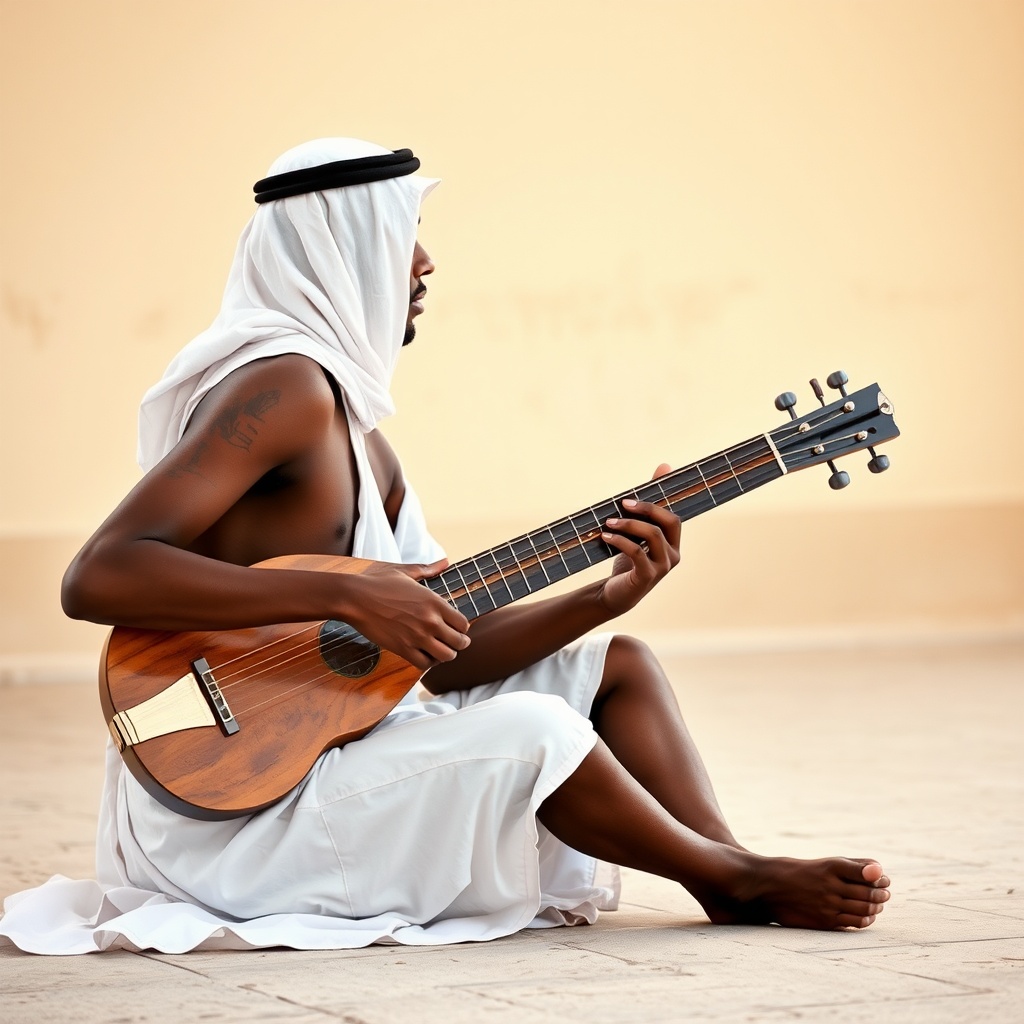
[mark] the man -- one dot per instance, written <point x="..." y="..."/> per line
<point x="261" y="440"/>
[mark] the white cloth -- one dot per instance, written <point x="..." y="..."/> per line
<point x="422" y="832"/>
<point x="324" y="274"/>
<point x="425" y="830"/>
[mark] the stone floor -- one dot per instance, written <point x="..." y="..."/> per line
<point x="911" y="755"/>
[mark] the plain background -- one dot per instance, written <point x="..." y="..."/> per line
<point x="654" y="217"/>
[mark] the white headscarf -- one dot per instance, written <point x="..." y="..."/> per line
<point x="324" y="274"/>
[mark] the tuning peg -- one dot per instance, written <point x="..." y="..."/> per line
<point x="838" y="381"/>
<point x="786" y="402"/>
<point x="839" y="478"/>
<point x="878" y="463"/>
<point x="818" y="393"/>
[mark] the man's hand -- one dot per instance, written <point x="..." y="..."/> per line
<point x="399" y="614"/>
<point x="649" y="552"/>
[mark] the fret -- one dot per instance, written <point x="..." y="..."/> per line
<point x="598" y="521"/>
<point x="728" y="462"/>
<point x="558" y="550"/>
<point x="486" y="589"/>
<point x="517" y="581"/>
<point x="525" y="555"/>
<point x="761" y="475"/>
<point x="719" y="479"/>
<point x="496" y="570"/>
<point x="566" y="536"/>
<point x="440" y="587"/>
<point x="539" y="560"/>
<point x="578" y="558"/>
<point x="457" y="568"/>
<point x="751" y="453"/>
<point x="707" y="486"/>
<point x="689" y="496"/>
<point x="580" y="539"/>
<point x="607" y="510"/>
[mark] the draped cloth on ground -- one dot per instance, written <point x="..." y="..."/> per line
<point x="425" y="830"/>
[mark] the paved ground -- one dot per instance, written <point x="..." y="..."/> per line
<point x="914" y="756"/>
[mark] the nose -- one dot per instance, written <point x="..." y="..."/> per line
<point x="422" y="264"/>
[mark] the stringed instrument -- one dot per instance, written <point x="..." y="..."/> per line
<point x="221" y="724"/>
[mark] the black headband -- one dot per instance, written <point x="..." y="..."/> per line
<point x="336" y="175"/>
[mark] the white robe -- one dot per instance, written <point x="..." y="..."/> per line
<point x="422" y="832"/>
<point x="425" y="830"/>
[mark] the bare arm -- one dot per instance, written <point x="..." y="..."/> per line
<point x="510" y="639"/>
<point x="137" y="570"/>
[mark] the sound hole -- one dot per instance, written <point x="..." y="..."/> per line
<point x="346" y="651"/>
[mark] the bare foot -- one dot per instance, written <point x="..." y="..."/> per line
<point x="832" y="893"/>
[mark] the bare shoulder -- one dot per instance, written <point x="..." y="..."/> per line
<point x="387" y="471"/>
<point x="284" y="403"/>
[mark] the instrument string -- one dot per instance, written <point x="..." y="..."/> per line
<point x="505" y="560"/>
<point x="253" y="674"/>
<point x="287" y="638"/>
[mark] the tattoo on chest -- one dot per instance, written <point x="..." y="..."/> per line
<point x="239" y="426"/>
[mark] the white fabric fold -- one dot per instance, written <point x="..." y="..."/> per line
<point x="324" y="274"/>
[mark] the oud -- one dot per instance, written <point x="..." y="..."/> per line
<point x="221" y="724"/>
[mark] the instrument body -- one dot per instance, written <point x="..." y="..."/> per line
<point x="290" y="705"/>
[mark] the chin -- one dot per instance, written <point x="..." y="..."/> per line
<point x="410" y="333"/>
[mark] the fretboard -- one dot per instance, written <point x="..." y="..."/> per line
<point x="503" y="574"/>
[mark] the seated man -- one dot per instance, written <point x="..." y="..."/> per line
<point x="469" y="816"/>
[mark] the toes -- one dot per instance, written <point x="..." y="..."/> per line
<point x="852" y="921"/>
<point x="859" y="908"/>
<point x="872" y="872"/>
<point x="862" y="892"/>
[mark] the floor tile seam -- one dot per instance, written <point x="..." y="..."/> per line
<point x="248" y="988"/>
<point x="553" y="980"/>
<point x="760" y="1007"/>
<point x="892" y="969"/>
<point x="976" y="910"/>
<point x="644" y="906"/>
<point x="881" y="1002"/>
<point x="90" y="983"/>
<point x="600" y="952"/>
<point x="162" y="959"/>
<point x="920" y="944"/>
<point x="680" y="932"/>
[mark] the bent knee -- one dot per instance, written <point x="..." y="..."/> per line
<point x="630" y="666"/>
<point x="625" y="654"/>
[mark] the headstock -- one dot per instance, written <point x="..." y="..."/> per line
<point x="851" y="424"/>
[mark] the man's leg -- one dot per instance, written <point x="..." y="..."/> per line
<point x="665" y="785"/>
<point x="636" y="713"/>
<point x="602" y="810"/>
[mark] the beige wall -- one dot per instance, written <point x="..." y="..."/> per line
<point x="655" y="216"/>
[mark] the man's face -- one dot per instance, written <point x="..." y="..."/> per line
<point x="421" y="266"/>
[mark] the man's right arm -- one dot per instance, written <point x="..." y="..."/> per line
<point x="137" y="570"/>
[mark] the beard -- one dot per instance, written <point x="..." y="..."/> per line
<point x="410" y="328"/>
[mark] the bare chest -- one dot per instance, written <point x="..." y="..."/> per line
<point x="306" y="507"/>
